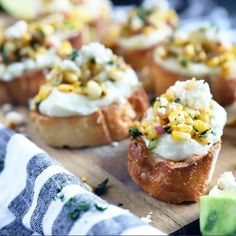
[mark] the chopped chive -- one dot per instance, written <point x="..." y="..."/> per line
<point x="134" y="132"/>
<point x="203" y="134"/>
<point x="102" y="187"/>
<point x="184" y="62"/>
<point x="152" y="144"/>
<point x="73" y="55"/>
<point x="101" y="207"/>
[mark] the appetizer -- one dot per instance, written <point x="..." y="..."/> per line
<point x="145" y="28"/>
<point x="27" y="50"/>
<point x="202" y="51"/>
<point x="92" y="98"/>
<point x="173" y="150"/>
<point x="217" y="215"/>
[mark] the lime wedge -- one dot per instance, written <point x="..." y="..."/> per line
<point x="23" y="9"/>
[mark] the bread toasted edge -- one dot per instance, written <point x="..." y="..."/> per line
<point x="108" y="124"/>
<point x="171" y="181"/>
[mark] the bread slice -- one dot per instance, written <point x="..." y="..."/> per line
<point x="171" y="181"/>
<point x="20" y="89"/>
<point x="77" y="40"/>
<point x="223" y="90"/>
<point x="101" y="127"/>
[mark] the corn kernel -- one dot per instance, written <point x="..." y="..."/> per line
<point x="70" y="77"/>
<point x="203" y="140"/>
<point x="213" y="62"/>
<point x="94" y="90"/>
<point x="152" y="134"/>
<point x="177" y="117"/>
<point x="65" y="48"/>
<point x="200" y="126"/>
<point x="180" y="136"/>
<point x="189" y="51"/>
<point x="204" y="117"/>
<point x="66" y="88"/>
<point x="183" y="128"/>
<point x="44" y="91"/>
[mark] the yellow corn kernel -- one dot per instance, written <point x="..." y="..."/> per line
<point x="200" y="126"/>
<point x="70" y="77"/>
<point x="148" y="30"/>
<point x="152" y="134"/>
<point x="44" y="91"/>
<point x="189" y="51"/>
<point x="203" y="140"/>
<point x="176" y="117"/>
<point x="213" y="62"/>
<point x="160" y="51"/>
<point x="65" y="48"/>
<point x="183" y="128"/>
<point x="204" y="117"/>
<point x="188" y="119"/>
<point x="47" y="29"/>
<point x="180" y="136"/>
<point x="94" y="90"/>
<point x="66" y="88"/>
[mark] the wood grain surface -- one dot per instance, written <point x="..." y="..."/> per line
<point x="98" y="163"/>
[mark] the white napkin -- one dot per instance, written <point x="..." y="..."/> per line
<point x="38" y="196"/>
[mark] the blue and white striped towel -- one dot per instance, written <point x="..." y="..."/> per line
<point x="38" y="196"/>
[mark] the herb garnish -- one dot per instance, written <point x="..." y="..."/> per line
<point x="203" y="134"/>
<point x="69" y="202"/>
<point x="184" y="62"/>
<point x="152" y="144"/>
<point x="73" y="55"/>
<point x="177" y="100"/>
<point x="83" y="206"/>
<point x="167" y="129"/>
<point x="134" y="132"/>
<point x="110" y="63"/>
<point x="152" y="101"/>
<point x="100" y="206"/>
<point x="102" y="187"/>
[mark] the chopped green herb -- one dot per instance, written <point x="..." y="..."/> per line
<point x="184" y="62"/>
<point x="213" y="133"/>
<point x="142" y="13"/>
<point x="134" y="132"/>
<point x="83" y="206"/>
<point x="69" y="202"/>
<point x="101" y="207"/>
<point x="152" y="101"/>
<point x="73" y="55"/>
<point x="92" y="60"/>
<point x="1" y="165"/>
<point x="177" y="100"/>
<point x="111" y="79"/>
<point x="167" y="129"/>
<point x="203" y="134"/>
<point x="102" y="187"/>
<point x="41" y="33"/>
<point x="74" y="215"/>
<point x="152" y="144"/>
<point x="110" y="63"/>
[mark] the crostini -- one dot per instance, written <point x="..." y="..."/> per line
<point x="146" y="26"/>
<point x="173" y="150"/>
<point x="90" y="99"/>
<point x="202" y="51"/>
<point x="27" y="51"/>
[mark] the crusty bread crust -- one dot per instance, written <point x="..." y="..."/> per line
<point x="77" y="40"/>
<point x="171" y="181"/>
<point x="101" y="127"/>
<point x="223" y="90"/>
<point x="20" y="89"/>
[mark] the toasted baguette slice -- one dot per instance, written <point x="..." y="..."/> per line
<point x="223" y="90"/>
<point x="171" y="181"/>
<point x="20" y="89"/>
<point x="101" y="127"/>
<point x="77" y="40"/>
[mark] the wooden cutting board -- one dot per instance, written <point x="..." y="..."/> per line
<point x="109" y="161"/>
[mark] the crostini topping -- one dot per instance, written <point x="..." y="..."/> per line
<point x="26" y="46"/>
<point x="206" y="45"/>
<point x="92" y="72"/>
<point x="184" y="114"/>
<point x="147" y="19"/>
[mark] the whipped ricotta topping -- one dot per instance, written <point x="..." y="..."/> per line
<point x="145" y="41"/>
<point x="203" y="32"/>
<point x="14" y="70"/>
<point x="224" y="183"/>
<point x="62" y="104"/>
<point x="198" y="97"/>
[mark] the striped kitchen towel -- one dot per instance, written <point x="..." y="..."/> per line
<point x="38" y="196"/>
